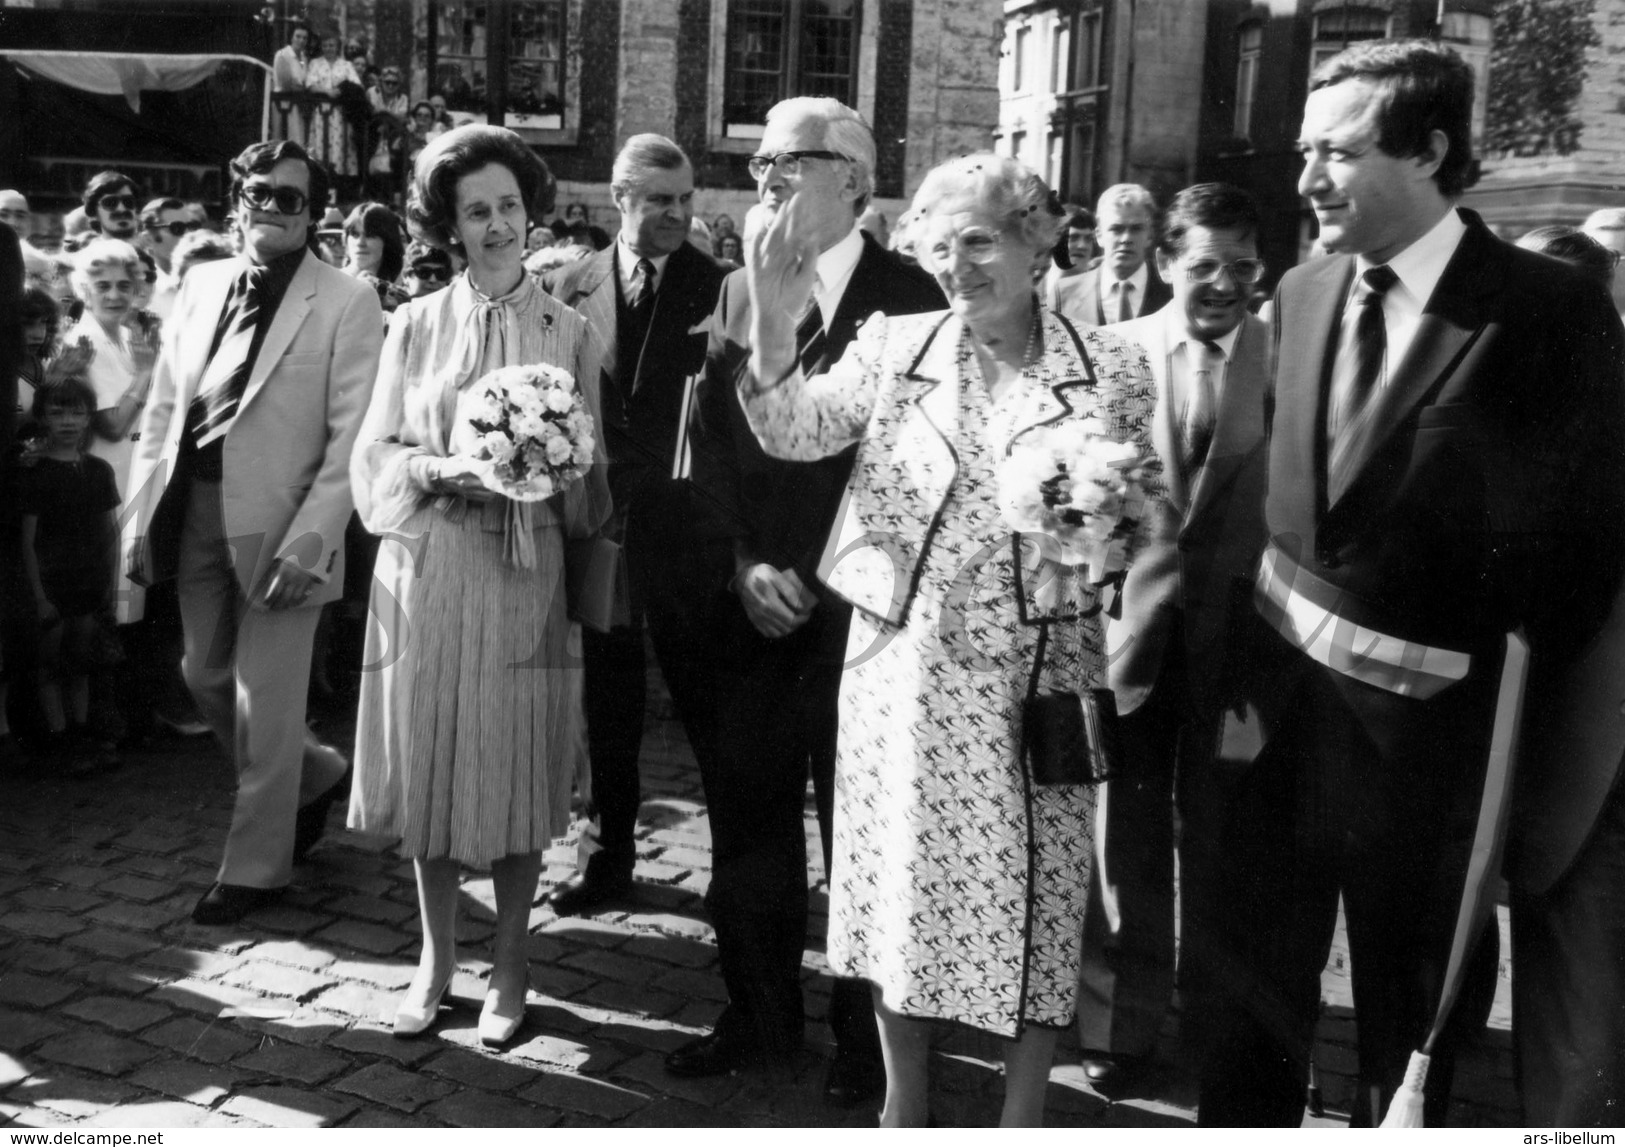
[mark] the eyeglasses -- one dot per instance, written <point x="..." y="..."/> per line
<point x="288" y="200"/>
<point x="978" y="244"/>
<point x="116" y="203"/>
<point x="432" y="273"/>
<point x="176" y="228"/>
<point x="787" y="162"/>
<point x="1243" y="271"/>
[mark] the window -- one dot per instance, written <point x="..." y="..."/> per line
<point x="1249" y="52"/>
<point x="1055" y="161"/>
<point x="782" y="48"/>
<point x="1018" y="144"/>
<point x="1019" y="58"/>
<point x="1057" y="58"/>
<point x="1470" y="34"/>
<point x="534" y="47"/>
<point x="1337" y="28"/>
<point x="1087" y="74"/>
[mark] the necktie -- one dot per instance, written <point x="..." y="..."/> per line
<point x="1201" y="398"/>
<point x="1125" y="308"/>
<point x="1362" y="345"/>
<point x="811" y="341"/>
<point x="226" y="376"/>
<point x="643" y="285"/>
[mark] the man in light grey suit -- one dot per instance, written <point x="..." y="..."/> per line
<point x="1177" y="657"/>
<point x="242" y="489"/>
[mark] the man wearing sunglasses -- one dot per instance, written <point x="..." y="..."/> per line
<point x="163" y="222"/>
<point x="243" y="491"/>
<point x="1168" y="640"/>
<point x="785" y="636"/>
<point x="110" y="201"/>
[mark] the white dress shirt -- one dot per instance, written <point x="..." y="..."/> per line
<point x="835" y="267"/>
<point x="1183" y="356"/>
<point x="1419" y="268"/>
<point x="1108" y="291"/>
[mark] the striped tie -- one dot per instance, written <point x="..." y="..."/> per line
<point x="227" y="375"/>
<point x="811" y="340"/>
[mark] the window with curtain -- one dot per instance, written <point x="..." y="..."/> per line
<point x="1249" y="52"/>
<point x="782" y="48"/>
<point x="1087" y="74"/>
<point x="535" y="88"/>
<point x="1337" y="28"/>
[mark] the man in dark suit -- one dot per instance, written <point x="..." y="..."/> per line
<point x="786" y="638"/>
<point x="1174" y="661"/>
<point x="649" y="295"/>
<point x="1124" y="285"/>
<point x="1444" y="469"/>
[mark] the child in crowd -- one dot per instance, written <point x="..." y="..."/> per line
<point x="67" y="500"/>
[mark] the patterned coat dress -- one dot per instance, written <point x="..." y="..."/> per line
<point x="957" y="886"/>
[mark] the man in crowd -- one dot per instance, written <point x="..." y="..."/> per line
<point x="14" y="213"/>
<point x="649" y="296"/>
<point x="163" y="222"/>
<point x="1607" y="226"/>
<point x="1174" y="662"/>
<point x="786" y="638"/>
<point x="242" y="489"/>
<point x="110" y="202"/>
<point x="1125" y="285"/>
<point x="1444" y="469"/>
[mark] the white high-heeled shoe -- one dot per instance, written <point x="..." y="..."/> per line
<point x="412" y="1021"/>
<point x="495" y="1029"/>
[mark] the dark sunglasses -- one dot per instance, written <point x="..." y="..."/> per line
<point x="431" y="272"/>
<point x="288" y="200"/>
<point x="116" y="202"/>
<point x="176" y="228"/>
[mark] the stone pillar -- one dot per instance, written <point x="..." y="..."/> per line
<point x="953" y="91"/>
<point x="647" y="98"/>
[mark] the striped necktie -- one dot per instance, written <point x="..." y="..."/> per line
<point x="811" y="339"/>
<point x="226" y="377"/>
<point x="1357" y="369"/>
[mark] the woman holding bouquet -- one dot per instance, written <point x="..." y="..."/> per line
<point x="470" y="728"/>
<point x="958" y="884"/>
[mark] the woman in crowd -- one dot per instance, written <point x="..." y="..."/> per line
<point x="958" y="885"/>
<point x="290" y="73"/>
<point x="327" y="75"/>
<point x="109" y="277"/>
<point x="375" y="250"/>
<point x="731" y="250"/>
<point x="420" y="129"/>
<point x="471" y="732"/>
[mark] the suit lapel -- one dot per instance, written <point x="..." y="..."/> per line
<point x="1450" y="321"/>
<point x="1240" y="412"/>
<point x="595" y="299"/>
<point x="290" y="315"/>
<point x="1309" y="320"/>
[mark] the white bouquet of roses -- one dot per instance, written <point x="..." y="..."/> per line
<point x="1078" y="486"/>
<point x="532" y="427"/>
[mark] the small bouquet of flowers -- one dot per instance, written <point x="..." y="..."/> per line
<point x="1078" y="486"/>
<point x="531" y="426"/>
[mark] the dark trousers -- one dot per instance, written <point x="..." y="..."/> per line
<point x="776" y="724"/>
<point x="681" y="627"/>
<point x="1126" y="978"/>
<point x="1568" y="986"/>
<point x="1374" y="796"/>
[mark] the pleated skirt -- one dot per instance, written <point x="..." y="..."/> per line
<point x="470" y="730"/>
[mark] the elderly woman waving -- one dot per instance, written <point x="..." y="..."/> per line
<point x="958" y="883"/>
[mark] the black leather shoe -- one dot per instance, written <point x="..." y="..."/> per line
<point x="589" y="889"/>
<point x="229" y="903"/>
<point x="853" y="1079"/>
<point x="717" y="1052"/>
<point x="1108" y="1071"/>
<point x="311" y="821"/>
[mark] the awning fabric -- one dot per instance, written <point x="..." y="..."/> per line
<point x="110" y="75"/>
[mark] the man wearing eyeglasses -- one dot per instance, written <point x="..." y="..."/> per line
<point x="110" y="201"/>
<point x="242" y="490"/>
<point x="1172" y="662"/>
<point x="163" y="222"/>
<point x="786" y="637"/>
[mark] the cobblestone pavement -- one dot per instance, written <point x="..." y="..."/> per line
<point x="117" y="1010"/>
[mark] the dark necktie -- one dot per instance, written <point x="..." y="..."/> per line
<point x="811" y="339"/>
<point x="643" y="286"/>
<point x="1125" y="304"/>
<point x="226" y="376"/>
<point x="1357" y="370"/>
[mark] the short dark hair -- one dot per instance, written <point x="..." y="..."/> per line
<point x="70" y="391"/>
<point x="1575" y="248"/>
<point x="1423" y="87"/>
<point x="37" y="306"/>
<point x="1211" y="205"/>
<point x="260" y="158"/>
<point x="1079" y="218"/>
<point x="431" y="207"/>
<point x="378" y="220"/>
<point x="155" y="209"/>
<point x="100" y="184"/>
